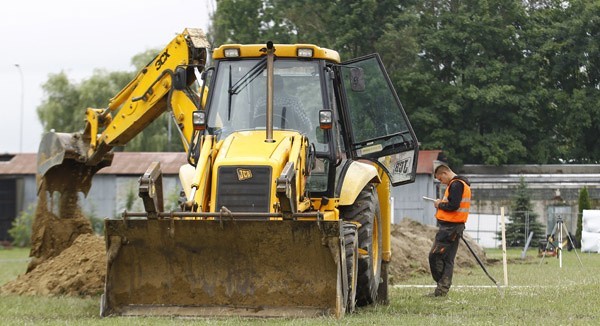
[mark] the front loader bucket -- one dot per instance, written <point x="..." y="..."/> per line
<point x="224" y="268"/>
<point x="62" y="163"/>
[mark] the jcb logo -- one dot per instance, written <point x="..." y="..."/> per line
<point x="244" y="174"/>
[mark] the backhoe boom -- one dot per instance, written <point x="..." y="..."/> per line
<point x="129" y="112"/>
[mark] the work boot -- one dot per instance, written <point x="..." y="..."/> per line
<point x="436" y="293"/>
<point x="443" y="286"/>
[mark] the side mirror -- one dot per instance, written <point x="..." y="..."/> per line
<point x="180" y="78"/>
<point x="357" y="79"/>
<point x="205" y="77"/>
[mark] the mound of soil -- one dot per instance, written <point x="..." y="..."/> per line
<point x="51" y="234"/>
<point x="80" y="269"/>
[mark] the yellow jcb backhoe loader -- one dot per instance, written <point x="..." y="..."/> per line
<point x="287" y="191"/>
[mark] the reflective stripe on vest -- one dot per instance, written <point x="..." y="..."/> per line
<point x="460" y="215"/>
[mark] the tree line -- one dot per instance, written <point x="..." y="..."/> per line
<point x="487" y="81"/>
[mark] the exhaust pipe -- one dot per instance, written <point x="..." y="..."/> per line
<point x="270" y="60"/>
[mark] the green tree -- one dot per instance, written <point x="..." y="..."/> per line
<point x="562" y="55"/>
<point x="505" y="81"/>
<point x="60" y="108"/>
<point x="584" y="203"/>
<point x="65" y="102"/>
<point x="576" y="70"/>
<point x="356" y="27"/>
<point x="522" y="220"/>
<point x="470" y="52"/>
<point x="20" y="230"/>
<point x="250" y="21"/>
<point x="351" y="27"/>
<point x="488" y="81"/>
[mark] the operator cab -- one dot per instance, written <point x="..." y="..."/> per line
<point x="368" y="121"/>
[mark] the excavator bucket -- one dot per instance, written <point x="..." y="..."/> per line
<point x="58" y="218"/>
<point x="224" y="268"/>
<point x="62" y="163"/>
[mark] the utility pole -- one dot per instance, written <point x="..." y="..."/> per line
<point x="22" y="107"/>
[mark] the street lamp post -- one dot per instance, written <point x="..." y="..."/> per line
<point x="22" y="107"/>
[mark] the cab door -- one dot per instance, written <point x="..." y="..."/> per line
<point x="376" y="125"/>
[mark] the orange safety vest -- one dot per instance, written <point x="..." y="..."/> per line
<point x="460" y="215"/>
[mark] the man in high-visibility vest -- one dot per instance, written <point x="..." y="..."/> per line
<point x="451" y="215"/>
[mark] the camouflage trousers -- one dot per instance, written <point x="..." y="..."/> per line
<point x="442" y="254"/>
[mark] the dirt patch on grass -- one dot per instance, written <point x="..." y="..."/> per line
<point x="77" y="271"/>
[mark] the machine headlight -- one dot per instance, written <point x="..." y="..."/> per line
<point x="305" y="53"/>
<point x="231" y="53"/>
<point x="199" y="120"/>
<point x="325" y="119"/>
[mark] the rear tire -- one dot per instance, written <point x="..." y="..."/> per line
<point x="351" y="246"/>
<point x="365" y="211"/>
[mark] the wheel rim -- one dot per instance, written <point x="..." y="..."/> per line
<point x="375" y="245"/>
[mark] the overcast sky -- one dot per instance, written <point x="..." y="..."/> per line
<point x="76" y="36"/>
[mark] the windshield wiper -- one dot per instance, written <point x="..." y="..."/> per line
<point x="248" y="77"/>
<point x="229" y="97"/>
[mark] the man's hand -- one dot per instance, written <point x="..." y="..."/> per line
<point x="437" y="202"/>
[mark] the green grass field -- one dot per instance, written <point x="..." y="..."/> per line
<point x="543" y="294"/>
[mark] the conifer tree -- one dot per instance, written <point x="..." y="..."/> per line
<point x="522" y="220"/>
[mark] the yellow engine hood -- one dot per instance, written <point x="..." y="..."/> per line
<point x="251" y="163"/>
<point x="250" y="148"/>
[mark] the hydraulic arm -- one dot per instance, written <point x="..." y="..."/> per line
<point x="68" y="161"/>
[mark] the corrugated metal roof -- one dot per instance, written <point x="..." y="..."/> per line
<point x="531" y="169"/>
<point x="25" y="163"/>
<point x="132" y="163"/>
<point x="137" y="163"/>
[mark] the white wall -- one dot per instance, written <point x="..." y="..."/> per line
<point x="590" y="235"/>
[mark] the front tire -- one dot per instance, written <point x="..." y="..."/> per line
<point x="365" y="211"/>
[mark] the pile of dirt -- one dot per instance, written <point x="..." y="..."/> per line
<point x="78" y="271"/>
<point x="51" y="234"/>
<point x="81" y="268"/>
<point x="411" y="243"/>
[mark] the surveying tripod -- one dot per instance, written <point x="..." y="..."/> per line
<point x="560" y="227"/>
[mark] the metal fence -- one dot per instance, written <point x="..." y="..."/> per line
<point x="484" y="228"/>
